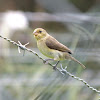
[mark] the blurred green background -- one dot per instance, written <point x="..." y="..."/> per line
<point x="75" y="23"/>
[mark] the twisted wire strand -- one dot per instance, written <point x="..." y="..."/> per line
<point x="77" y="78"/>
<point x="62" y="70"/>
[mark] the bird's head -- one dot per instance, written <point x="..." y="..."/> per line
<point x="39" y="33"/>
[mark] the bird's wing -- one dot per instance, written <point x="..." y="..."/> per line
<point x="52" y="43"/>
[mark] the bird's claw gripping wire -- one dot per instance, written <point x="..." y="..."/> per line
<point x="23" y="47"/>
<point x="55" y="65"/>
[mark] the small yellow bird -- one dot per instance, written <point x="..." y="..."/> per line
<point x="51" y="48"/>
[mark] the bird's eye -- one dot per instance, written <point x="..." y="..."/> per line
<point x="40" y="31"/>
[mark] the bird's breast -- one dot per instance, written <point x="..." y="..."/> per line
<point x="44" y="49"/>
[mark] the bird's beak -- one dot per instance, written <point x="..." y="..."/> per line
<point x="35" y="33"/>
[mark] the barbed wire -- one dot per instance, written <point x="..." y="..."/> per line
<point x="62" y="70"/>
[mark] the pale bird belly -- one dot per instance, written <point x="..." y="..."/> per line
<point x="45" y="50"/>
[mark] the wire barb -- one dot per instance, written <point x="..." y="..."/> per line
<point x="23" y="47"/>
<point x="62" y="70"/>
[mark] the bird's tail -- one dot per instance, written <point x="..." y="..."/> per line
<point x="78" y="62"/>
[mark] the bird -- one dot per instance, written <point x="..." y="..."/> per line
<point x="52" y="48"/>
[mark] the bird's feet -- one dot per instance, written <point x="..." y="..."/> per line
<point x="55" y="65"/>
